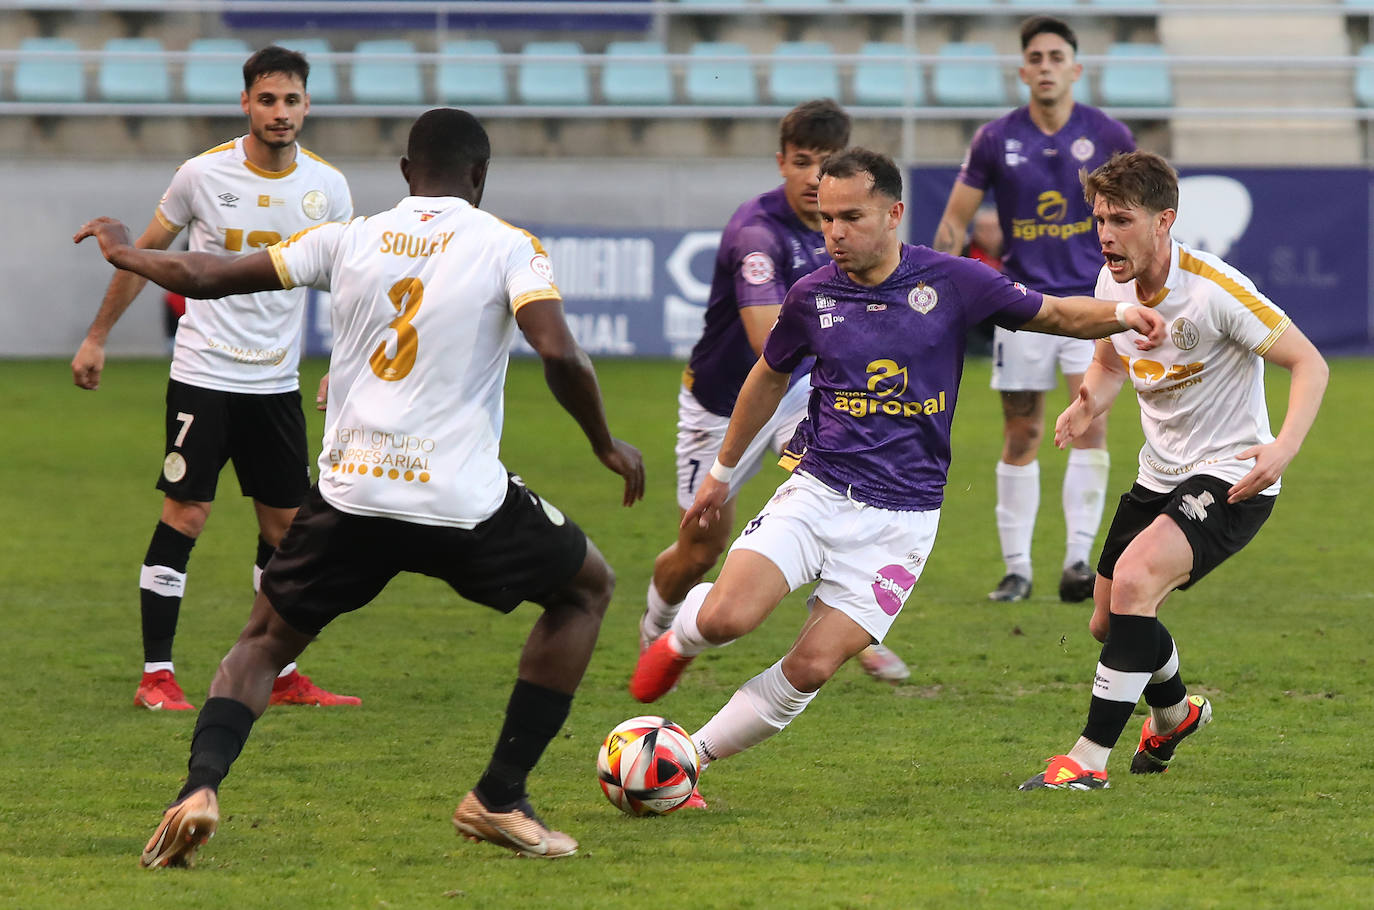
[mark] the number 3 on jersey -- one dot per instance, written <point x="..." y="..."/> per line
<point x="406" y="296"/>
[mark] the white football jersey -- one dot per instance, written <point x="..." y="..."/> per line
<point x="423" y="305"/>
<point x="247" y="342"/>
<point x="1201" y="392"/>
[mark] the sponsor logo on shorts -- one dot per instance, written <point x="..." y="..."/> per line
<point x="1195" y="507"/>
<point x="891" y="586"/>
<point x="551" y="510"/>
<point x="174" y="467"/>
<point x="314" y="204"/>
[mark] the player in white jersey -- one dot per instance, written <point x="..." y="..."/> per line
<point x="1209" y="470"/>
<point x="233" y="392"/>
<point x="426" y="300"/>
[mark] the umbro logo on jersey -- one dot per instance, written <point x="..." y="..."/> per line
<point x="1195" y="507"/>
<point x="228" y="200"/>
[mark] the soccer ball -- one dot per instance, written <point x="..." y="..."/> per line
<point x="647" y="766"/>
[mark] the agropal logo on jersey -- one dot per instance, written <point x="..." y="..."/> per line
<point x="1051" y="208"/>
<point x="887" y="383"/>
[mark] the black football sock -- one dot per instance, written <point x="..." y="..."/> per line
<point x="161" y="583"/>
<point x="1129" y="656"/>
<point x="534" y="716"/>
<point x="221" y="730"/>
<point x="1170" y="690"/>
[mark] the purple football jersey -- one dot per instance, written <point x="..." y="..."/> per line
<point x="1051" y="241"/>
<point x="887" y="369"/>
<point x="763" y="251"/>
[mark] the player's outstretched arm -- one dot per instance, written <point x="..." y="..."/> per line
<point x="1101" y="383"/>
<point x="203" y="276"/>
<point x="1295" y="353"/>
<point x="1089" y="317"/>
<point x="570" y="376"/>
<point x="959" y="211"/>
<point x="758" y="398"/>
<point x="89" y="361"/>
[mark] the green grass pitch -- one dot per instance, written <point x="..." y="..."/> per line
<point x="877" y="796"/>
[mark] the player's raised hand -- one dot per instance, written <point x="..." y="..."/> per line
<point x="705" y="509"/>
<point x="626" y="461"/>
<point x="1148" y="323"/>
<point x="88" y="364"/>
<point x="1271" y="460"/>
<point x="322" y="394"/>
<point x="110" y="233"/>
<point x="1074" y="421"/>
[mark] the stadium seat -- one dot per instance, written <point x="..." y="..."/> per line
<point x="48" y="78"/>
<point x="143" y="77"/>
<point x="880" y="2"/>
<point x="212" y="79"/>
<point x="1364" y="77"/>
<point x="323" y="84"/>
<point x="554" y="82"/>
<point x="1143" y="84"/>
<point x="959" y="2"/>
<point x="793" y="80"/>
<point x="385" y="81"/>
<point x="727" y="82"/>
<point x="644" y="81"/>
<point x="888" y="75"/>
<point x="796" y="3"/>
<point x="968" y="83"/>
<point x="475" y="81"/>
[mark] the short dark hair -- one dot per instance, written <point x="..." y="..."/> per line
<point x="820" y="124"/>
<point x="1041" y="25"/>
<point x="1130" y="179"/>
<point x="447" y="140"/>
<point x="274" y="59"/>
<point x="886" y="176"/>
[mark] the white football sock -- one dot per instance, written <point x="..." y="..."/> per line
<point x="658" y="614"/>
<point x="687" y="637"/>
<point x="287" y="670"/>
<point x="1018" y="499"/>
<point x="760" y="708"/>
<point x="152" y="666"/>
<point x="1089" y="755"/>
<point x="257" y="578"/>
<point x="1085" y="491"/>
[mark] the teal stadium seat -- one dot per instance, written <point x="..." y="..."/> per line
<point x="1143" y="84"/>
<point x="376" y="81"/>
<point x="48" y="78"/>
<point x="476" y="81"/>
<point x="636" y="81"/>
<point x="722" y="82"/>
<point x="212" y="79"/>
<point x="554" y="82"/>
<point x="880" y="2"/>
<point x="968" y="83"/>
<point x="1364" y="77"/>
<point x="796" y="3"/>
<point x="888" y="76"/>
<point x="792" y="80"/>
<point x="323" y="84"/>
<point x="959" y="2"/>
<point x="134" y="78"/>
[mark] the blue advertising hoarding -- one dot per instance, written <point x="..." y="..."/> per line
<point x="1303" y="237"/>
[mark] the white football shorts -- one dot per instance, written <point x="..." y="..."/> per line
<point x="700" y="433"/>
<point x="1026" y="361"/>
<point x="865" y="560"/>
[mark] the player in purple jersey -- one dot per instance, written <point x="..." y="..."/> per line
<point x="770" y="242"/>
<point x="1030" y="159"/>
<point x="886" y="324"/>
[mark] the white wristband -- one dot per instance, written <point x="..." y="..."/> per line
<point x="1121" y="309"/>
<point x="721" y="472"/>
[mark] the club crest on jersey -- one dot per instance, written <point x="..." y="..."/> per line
<point x="922" y="298"/>
<point x="1184" y="334"/>
<point x="542" y="267"/>
<point x="314" y="204"/>
<point x="757" y="268"/>
<point x="1082" y="148"/>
